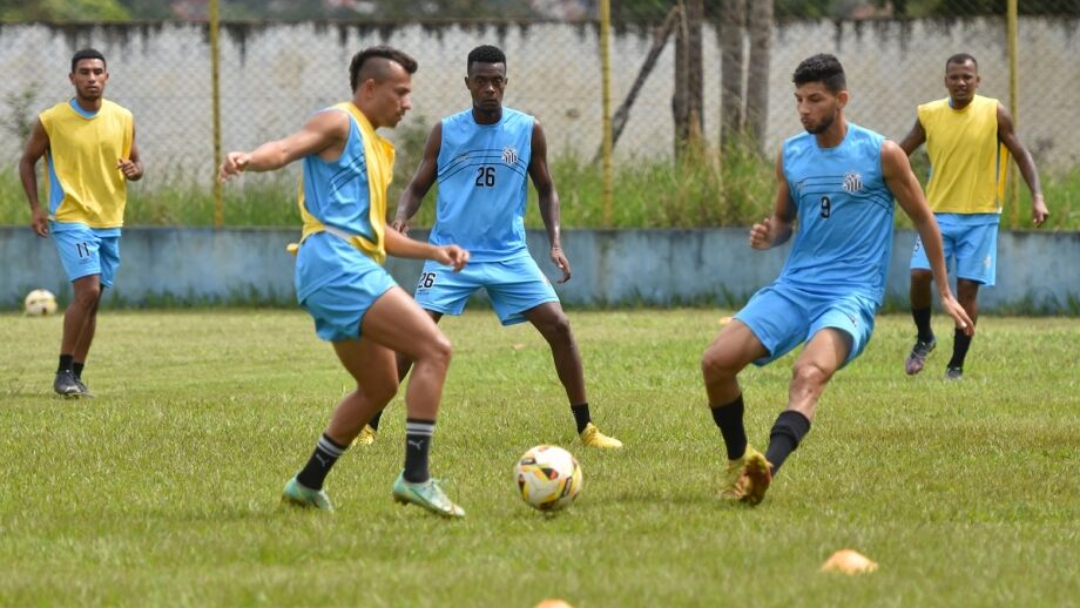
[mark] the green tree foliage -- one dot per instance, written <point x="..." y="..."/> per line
<point x="149" y="10"/>
<point x="301" y="10"/>
<point x="640" y="11"/>
<point x="622" y="11"/>
<point x="838" y="9"/>
<point x="946" y="8"/>
<point x="62" y="11"/>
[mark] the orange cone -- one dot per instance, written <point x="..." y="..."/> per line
<point x="849" y="561"/>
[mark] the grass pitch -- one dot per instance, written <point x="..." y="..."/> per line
<point x="164" y="490"/>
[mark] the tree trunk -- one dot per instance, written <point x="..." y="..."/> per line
<point x="757" y="86"/>
<point x="688" y="100"/>
<point x="732" y="19"/>
<point x="622" y="115"/>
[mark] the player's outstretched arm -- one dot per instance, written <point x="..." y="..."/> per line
<point x="399" y="245"/>
<point x="423" y="179"/>
<point x="905" y="187"/>
<point x="776" y="229"/>
<point x="325" y="133"/>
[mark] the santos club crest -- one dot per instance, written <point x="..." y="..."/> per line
<point x="510" y="155"/>
<point x="852" y="182"/>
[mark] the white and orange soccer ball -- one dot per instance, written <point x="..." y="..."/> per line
<point x="548" y="477"/>
<point x="39" y="303"/>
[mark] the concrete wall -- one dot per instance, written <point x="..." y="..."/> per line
<point x="1037" y="272"/>
<point x="273" y="76"/>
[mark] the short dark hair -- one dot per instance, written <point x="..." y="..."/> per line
<point x="86" y="54"/>
<point x="384" y="52"/>
<point x="823" y="68"/>
<point x="485" y="54"/>
<point x="960" y="59"/>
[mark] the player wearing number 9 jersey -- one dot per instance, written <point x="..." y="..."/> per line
<point x="837" y="182"/>
<point x="483" y="159"/>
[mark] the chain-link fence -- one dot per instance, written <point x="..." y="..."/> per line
<point x="678" y="69"/>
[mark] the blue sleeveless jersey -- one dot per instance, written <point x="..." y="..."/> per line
<point x="483" y="185"/>
<point x="845" y="215"/>
<point x="338" y="193"/>
<point x="346" y="198"/>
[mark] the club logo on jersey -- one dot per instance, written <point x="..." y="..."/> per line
<point x="852" y="182"/>
<point x="510" y="155"/>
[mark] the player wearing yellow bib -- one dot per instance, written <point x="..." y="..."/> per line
<point x="968" y="138"/>
<point x="90" y="154"/>
<point x="355" y="303"/>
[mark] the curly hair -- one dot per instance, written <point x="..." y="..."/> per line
<point x="823" y="68"/>
<point x="485" y="54"/>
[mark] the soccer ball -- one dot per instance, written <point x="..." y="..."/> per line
<point x="548" y="477"/>
<point x="40" y="303"/>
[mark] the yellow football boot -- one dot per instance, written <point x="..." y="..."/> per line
<point x="591" y="437"/>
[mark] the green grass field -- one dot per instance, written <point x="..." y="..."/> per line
<point x="164" y="490"/>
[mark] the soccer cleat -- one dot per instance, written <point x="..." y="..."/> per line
<point x="66" y="384"/>
<point x="426" y="494"/>
<point x="954" y="373"/>
<point x="917" y="358"/>
<point x="735" y="479"/>
<point x="295" y="494"/>
<point x="747" y="479"/>
<point x="591" y="437"/>
<point x="759" y="473"/>
<point x="83" y="390"/>
<point x="366" y="436"/>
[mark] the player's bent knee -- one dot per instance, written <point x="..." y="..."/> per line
<point x="88" y="295"/>
<point x="557" y="329"/>
<point x="437" y="352"/>
<point x="921" y="276"/>
<point x="717" y="367"/>
<point x="809" y="375"/>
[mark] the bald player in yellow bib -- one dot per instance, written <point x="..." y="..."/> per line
<point x="968" y="138"/>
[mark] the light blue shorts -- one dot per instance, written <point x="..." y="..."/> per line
<point x="970" y="246"/>
<point x="85" y="251"/>
<point x="337" y="284"/>
<point x="514" y="286"/>
<point x="783" y="317"/>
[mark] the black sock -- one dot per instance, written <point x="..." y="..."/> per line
<point x="417" y="445"/>
<point x="790" y="428"/>
<point x="66" y="361"/>
<point x="922" y="323"/>
<point x="729" y="418"/>
<point x="374" y="422"/>
<point x="581" y="416"/>
<point x="326" y="454"/>
<point x="961" y="344"/>
<point x="77" y="369"/>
